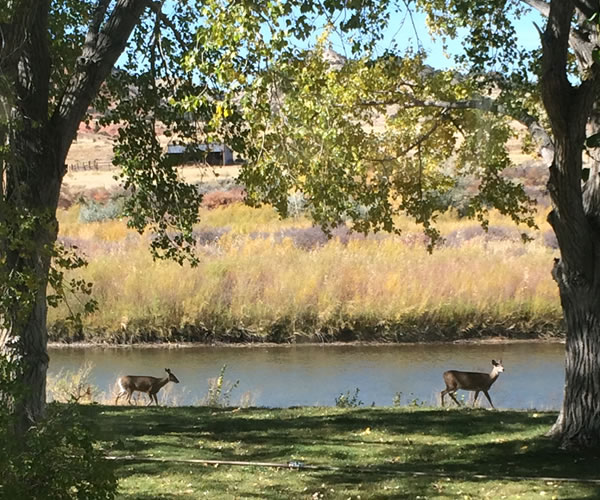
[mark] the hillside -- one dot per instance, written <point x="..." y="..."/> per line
<point x="91" y="169"/>
<point x="91" y="174"/>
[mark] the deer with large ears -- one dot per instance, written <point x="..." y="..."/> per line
<point x="150" y="385"/>
<point x="471" y="381"/>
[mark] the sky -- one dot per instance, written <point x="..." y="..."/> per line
<point x="414" y="34"/>
<point x="402" y="31"/>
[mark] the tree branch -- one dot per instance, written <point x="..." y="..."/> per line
<point x="24" y="57"/>
<point x="157" y="8"/>
<point x="95" y="24"/>
<point x="542" y="7"/>
<point x="556" y="88"/>
<point x="580" y="43"/>
<point x="94" y="66"/>
<point x="487" y="104"/>
<point x="586" y="7"/>
<point x="426" y="135"/>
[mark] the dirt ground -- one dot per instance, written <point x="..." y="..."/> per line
<point x="92" y="179"/>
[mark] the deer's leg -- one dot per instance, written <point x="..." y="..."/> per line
<point x="489" y="399"/>
<point x="451" y="394"/>
<point x="118" y="396"/>
<point x="150" y="395"/>
<point x="442" y="394"/>
<point x="129" y="394"/>
<point x="475" y="398"/>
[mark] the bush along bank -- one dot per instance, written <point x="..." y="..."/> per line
<point x="417" y="329"/>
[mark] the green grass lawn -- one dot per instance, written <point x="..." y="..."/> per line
<point x="356" y="453"/>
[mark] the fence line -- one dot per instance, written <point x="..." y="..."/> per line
<point x="106" y="165"/>
<point x="92" y="165"/>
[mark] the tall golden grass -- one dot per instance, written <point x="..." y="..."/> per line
<point x="258" y="280"/>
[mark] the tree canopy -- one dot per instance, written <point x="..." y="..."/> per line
<point x="365" y="137"/>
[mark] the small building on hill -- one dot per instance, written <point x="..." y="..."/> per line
<point x="213" y="154"/>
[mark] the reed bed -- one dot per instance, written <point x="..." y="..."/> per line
<point x="261" y="278"/>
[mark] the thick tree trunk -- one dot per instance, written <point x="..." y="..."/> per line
<point x="577" y="273"/>
<point x="39" y="141"/>
<point x="32" y="189"/>
<point x="575" y="220"/>
<point x="578" y="425"/>
<point x="24" y="342"/>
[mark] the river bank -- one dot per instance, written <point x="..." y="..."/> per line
<point x="283" y="333"/>
<point x="263" y="345"/>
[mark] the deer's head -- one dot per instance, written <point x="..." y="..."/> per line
<point x="172" y="378"/>
<point x="498" y="365"/>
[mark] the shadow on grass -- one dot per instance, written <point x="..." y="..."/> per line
<point x="362" y="446"/>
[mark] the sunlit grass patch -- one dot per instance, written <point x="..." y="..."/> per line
<point x="340" y="453"/>
<point x="243" y="219"/>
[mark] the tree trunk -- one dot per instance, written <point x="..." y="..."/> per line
<point x="25" y="344"/>
<point x="32" y="190"/>
<point x="578" y="425"/>
<point x="32" y="174"/>
<point x="574" y="218"/>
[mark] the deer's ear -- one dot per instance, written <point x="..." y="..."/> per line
<point x="494" y="362"/>
<point x="167" y="370"/>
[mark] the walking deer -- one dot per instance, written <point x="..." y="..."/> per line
<point x="150" y="385"/>
<point x="471" y="381"/>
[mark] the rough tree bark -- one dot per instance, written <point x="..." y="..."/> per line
<point x="574" y="218"/>
<point x="39" y="143"/>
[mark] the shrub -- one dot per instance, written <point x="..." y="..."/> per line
<point x="56" y="459"/>
<point x="414" y="402"/>
<point x="72" y="387"/>
<point x="208" y="235"/>
<point x="219" y="184"/>
<point x="345" y="400"/>
<point x="306" y="238"/>
<point x="219" y="390"/>
<point x="550" y="240"/>
<point x="494" y="233"/>
<point x="67" y="198"/>
<point x="99" y="195"/>
<point x="93" y="211"/>
<point x="216" y="199"/>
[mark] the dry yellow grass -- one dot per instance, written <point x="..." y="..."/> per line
<point x="255" y="277"/>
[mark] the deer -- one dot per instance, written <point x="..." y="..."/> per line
<point x="128" y="384"/>
<point x="471" y="381"/>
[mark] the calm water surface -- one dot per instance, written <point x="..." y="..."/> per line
<point x="281" y="376"/>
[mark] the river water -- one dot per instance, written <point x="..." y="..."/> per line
<point x="281" y="376"/>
